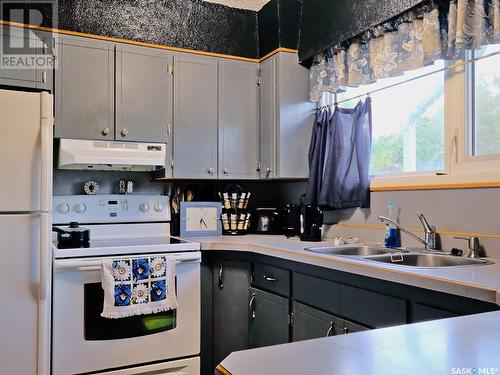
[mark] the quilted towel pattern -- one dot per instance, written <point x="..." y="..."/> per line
<point x="138" y="286"/>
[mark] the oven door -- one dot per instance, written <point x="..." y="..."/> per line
<point x="83" y="341"/>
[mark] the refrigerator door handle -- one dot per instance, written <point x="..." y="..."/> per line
<point x="44" y="257"/>
<point x="46" y="125"/>
<point x="44" y="316"/>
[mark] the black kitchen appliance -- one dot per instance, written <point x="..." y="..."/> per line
<point x="311" y="222"/>
<point x="73" y="234"/>
<point x="267" y="221"/>
<point x="291" y="220"/>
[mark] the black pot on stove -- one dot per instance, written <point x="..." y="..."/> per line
<point x="73" y="234"/>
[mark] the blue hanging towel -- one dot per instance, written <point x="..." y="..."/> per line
<point x="339" y="157"/>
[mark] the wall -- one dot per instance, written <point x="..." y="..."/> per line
<point x="191" y="24"/>
<point x="264" y="193"/>
<point x="278" y="25"/>
<point x="452" y="210"/>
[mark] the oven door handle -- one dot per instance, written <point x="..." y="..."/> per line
<point x="96" y="264"/>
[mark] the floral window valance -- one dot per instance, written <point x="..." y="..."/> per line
<point x="433" y="30"/>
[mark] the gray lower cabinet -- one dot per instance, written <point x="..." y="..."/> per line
<point x="422" y="313"/>
<point x="195" y="117"/>
<point x="144" y="90"/>
<point x="18" y="42"/>
<point x="310" y="323"/>
<point x="344" y="327"/>
<point x="238" y="120"/>
<point x="231" y="283"/>
<point x="369" y="308"/>
<point x="286" y="117"/>
<point x="268" y="319"/>
<point x="84" y="90"/>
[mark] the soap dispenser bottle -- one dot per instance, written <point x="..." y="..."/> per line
<point x="392" y="235"/>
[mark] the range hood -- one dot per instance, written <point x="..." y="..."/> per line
<point x="111" y="156"/>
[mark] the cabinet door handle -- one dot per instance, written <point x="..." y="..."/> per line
<point x="221" y="277"/>
<point x="124" y="132"/>
<point x="251" y="306"/>
<point x="105" y="131"/>
<point x="270" y="278"/>
<point x="330" y="330"/>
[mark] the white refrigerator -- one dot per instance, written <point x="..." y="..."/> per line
<point x="25" y="231"/>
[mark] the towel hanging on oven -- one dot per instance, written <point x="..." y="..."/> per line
<point x="138" y="286"/>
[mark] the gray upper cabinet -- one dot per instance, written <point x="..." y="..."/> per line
<point x="296" y="116"/>
<point x="286" y="117"/>
<point x="144" y="85"/>
<point x="238" y="120"/>
<point x="85" y="89"/>
<point x="195" y="117"/>
<point x="268" y="108"/>
<point x="21" y="39"/>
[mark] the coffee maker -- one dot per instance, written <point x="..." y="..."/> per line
<point x="311" y="223"/>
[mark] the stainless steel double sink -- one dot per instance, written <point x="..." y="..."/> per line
<point x="400" y="257"/>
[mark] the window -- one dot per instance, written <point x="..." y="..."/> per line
<point x="408" y="122"/>
<point x="433" y="126"/>
<point x="484" y="96"/>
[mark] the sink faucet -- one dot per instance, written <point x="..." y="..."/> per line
<point x="429" y="240"/>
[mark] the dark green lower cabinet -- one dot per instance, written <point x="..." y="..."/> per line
<point x="344" y="327"/>
<point x="423" y="313"/>
<point x="310" y="323"/>
<point x="231" y="281"/>
<point x="268" y="319"/>
<point x="283" y="301"/>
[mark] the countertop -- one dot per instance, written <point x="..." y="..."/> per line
<point x="478" y="282"/>
<point x="463" y="345"/>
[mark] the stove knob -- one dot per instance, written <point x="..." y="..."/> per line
<point x="144" y="207"/>
<point x="158" y="207"/>
<point x="63" y="208"/>
<point x="80" y="208"/>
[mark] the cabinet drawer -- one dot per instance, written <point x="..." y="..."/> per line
<point x="317" y="292"/>
<point x="273" y="279"/>
<point x="370" y="308"/>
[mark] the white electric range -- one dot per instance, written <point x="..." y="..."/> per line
<point x="83" y="341"/>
